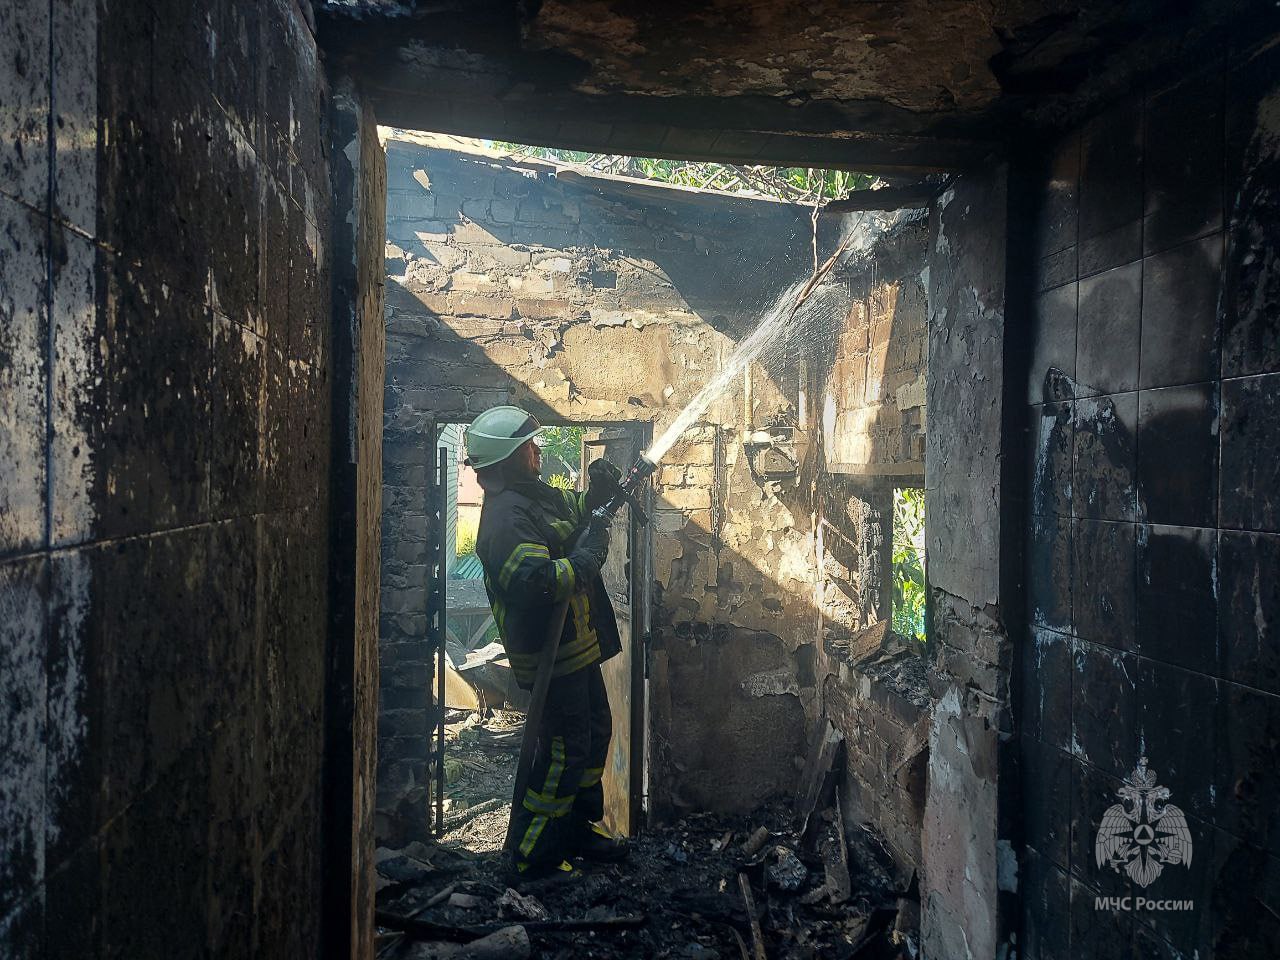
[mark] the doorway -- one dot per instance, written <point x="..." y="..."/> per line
<point x="476" y="738"/>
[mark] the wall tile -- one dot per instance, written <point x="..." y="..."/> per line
<point x="1119" y="245"/>
<point x="1060" y="197"/>
<point x="24" y="121"/>
<point x="120" y="429"/>
<point x="1105" y="454"/>
<point x="179" y="406"/>
<point x="75" y="101"/>
<point x="1249" y="609"/>
<point x="1177" y="596"/>
<point x="1251" y="453"/>
<point x="1053" y="362"/>
<point x="1248" y="777"/>
<point x="1052" y="432"/>
<point x="1111" y="169"/>
<point x="1047" y="775"/>
<point x="1056" y="269"/>
<point x="76" y="359"/>
<point x="1180" y="292"/>
<point x="1251" y="300"/>
<point x="23" y="708"/>
<point x="1102" y="583"/>
<point x="1046" y="689"/>
<point x="1098" y="934"/>
<point x="1104" y="708"/>
<point x="236" y="404"/>
<point x="1092" y="793"/>
<point x="1244" y="927"/>
<point x="1178" y="719"/>
<point x="24" y="318"/>
<point x="79" y="647"/>
<point x="1184" y="162"/>
<point x="1107" y="339"/>
<point x="1046" y="900"/>
<point x="1049" y="573"/>
<point x="1178" y="455"/>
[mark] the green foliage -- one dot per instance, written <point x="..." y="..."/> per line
<point x="909" y="581"/>
<point x="794" y="184"/>
<point x="465" y="542"/>
<point x="560" y="481"/>
<point x="564" y="443"/>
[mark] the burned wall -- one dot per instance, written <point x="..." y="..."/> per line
<point x="872" y="400"/>
<point x="1152" y="529"/>
<point x="598" y="300"/>
<point x="358" y="351"/>
<point x="963" y="872"/>
<point x="869" y="398"/>
<point x="164" y="372"/>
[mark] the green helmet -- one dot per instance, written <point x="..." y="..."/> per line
<point x="498" y="433"/>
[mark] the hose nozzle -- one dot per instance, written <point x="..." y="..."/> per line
<point x="634" y="479"/>
<point x="640" y="471"/>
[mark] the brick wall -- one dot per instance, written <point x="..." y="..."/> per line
<point x="594" y="301"/>
<point x="1152" y="528"/>
<point x="163" y="460"/>
<point x="872" y="420"/>
<point x="873" y="401"/>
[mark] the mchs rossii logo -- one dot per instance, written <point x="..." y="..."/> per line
<point x="1139" y="837"/>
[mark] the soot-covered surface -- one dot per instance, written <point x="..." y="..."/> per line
<point x="682" y="879"/>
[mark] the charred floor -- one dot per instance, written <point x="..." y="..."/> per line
<point x="947" y="612"/>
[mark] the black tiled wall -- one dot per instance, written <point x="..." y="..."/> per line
<point x="164" y="444"/>
<point x="1153" y="534"/>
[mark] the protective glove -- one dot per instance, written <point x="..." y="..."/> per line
<point x="591" y="551"/>
<point x="602" y="482"/>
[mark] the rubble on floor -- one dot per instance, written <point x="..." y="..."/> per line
<point x="681" y="894"/>
<point x="481" y="750"/>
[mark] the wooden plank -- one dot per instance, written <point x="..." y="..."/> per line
<point x="757" y="938"/>
<point x="823" y="750"/>
<point x="619" y="816"/>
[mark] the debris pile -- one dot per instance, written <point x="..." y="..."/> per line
<point x="787" y="881"/>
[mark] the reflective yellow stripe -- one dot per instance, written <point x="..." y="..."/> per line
<point x="532" y="834"/>
<point x="588" y="657"/>
<point x="574" y="647"/>
<point x="591" y="777"/>
<point x="551" y="806"/>
<point x="562" y="528"/>
<point x="519" y="554"/>
<point x="565" y="579"/>
<point x="554" y="772"/>
<point x="580" y="604"/>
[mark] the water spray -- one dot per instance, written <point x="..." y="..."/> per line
<point x="774" y="322"/>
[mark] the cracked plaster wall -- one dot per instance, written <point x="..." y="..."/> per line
<point x="163" y="447"/>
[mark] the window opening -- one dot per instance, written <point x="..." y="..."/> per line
<point x="910" y="570"/>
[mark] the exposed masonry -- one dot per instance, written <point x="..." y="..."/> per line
<point x="598" y="300"/>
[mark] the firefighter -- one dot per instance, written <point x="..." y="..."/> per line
<point x="535" y="555"/>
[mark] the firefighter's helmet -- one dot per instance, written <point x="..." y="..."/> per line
<point x="497" y="433"/>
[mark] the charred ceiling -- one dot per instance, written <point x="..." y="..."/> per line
<point x="873" y="85"/>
